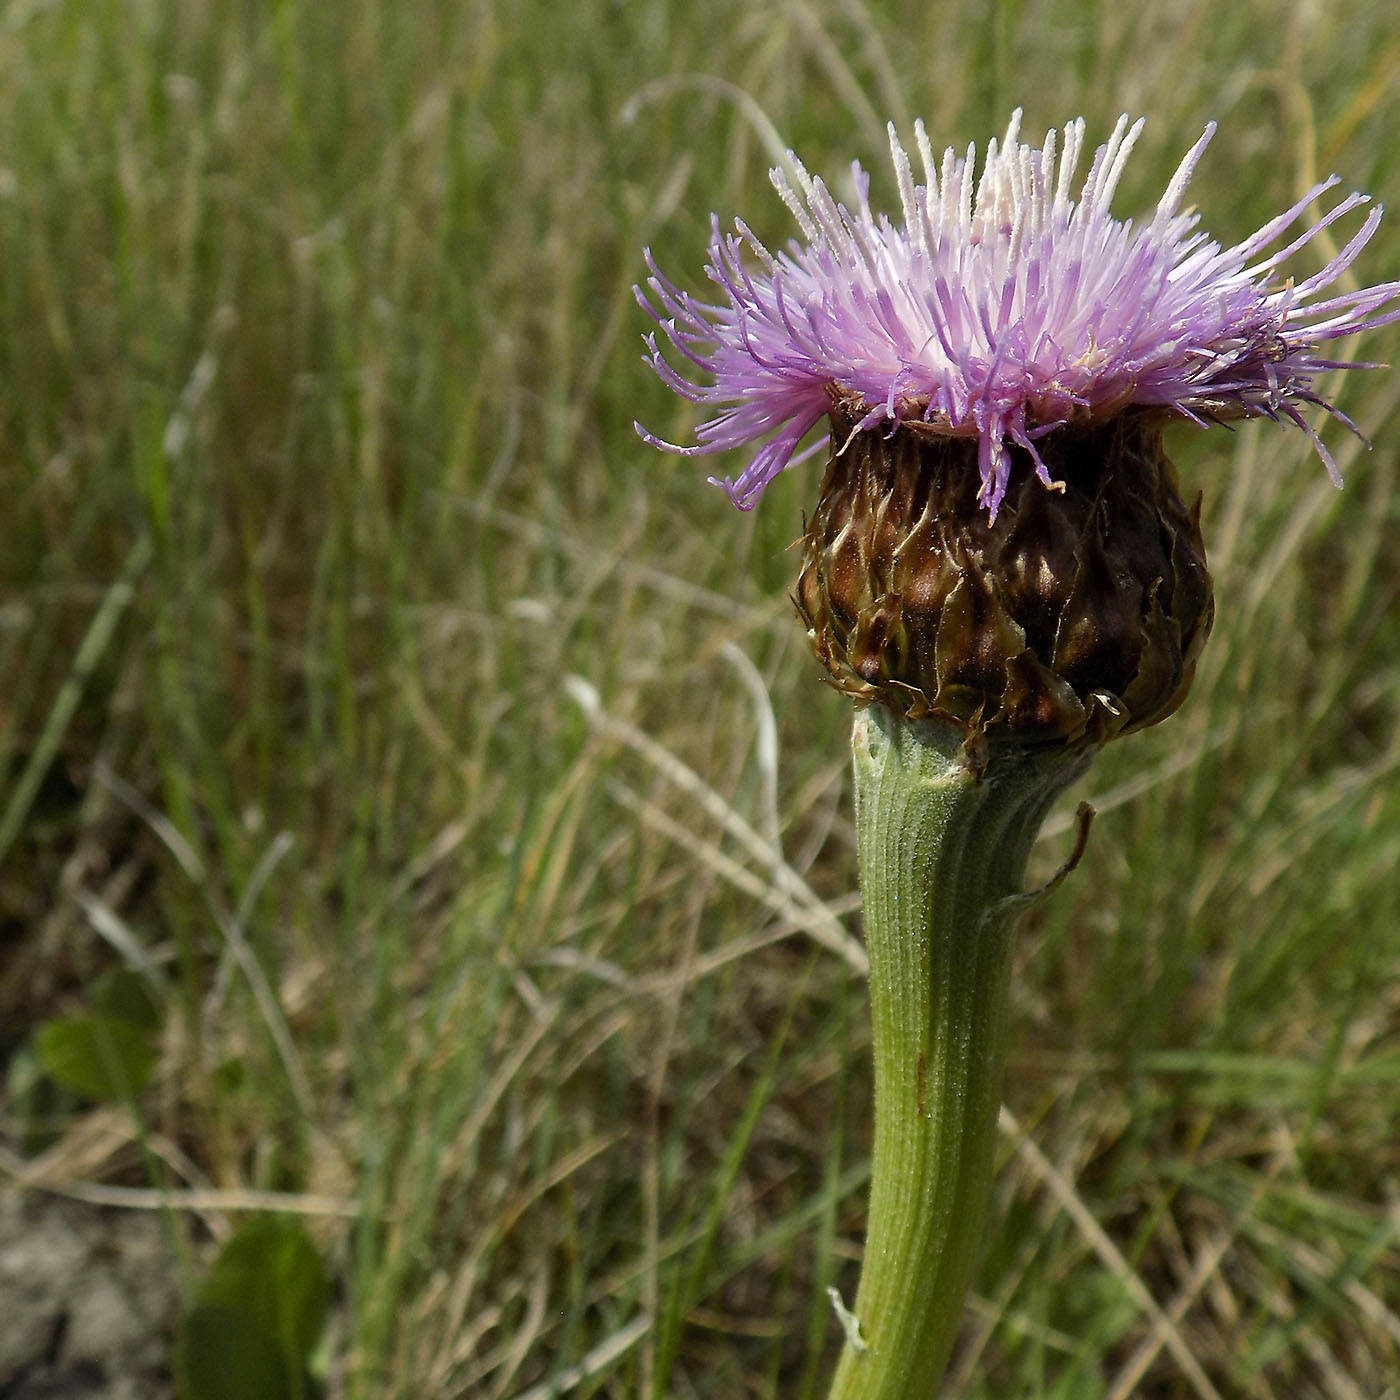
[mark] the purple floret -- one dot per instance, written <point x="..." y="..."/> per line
<point x="1001" y="308"/>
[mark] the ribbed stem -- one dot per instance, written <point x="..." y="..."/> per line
<point x="943" y="849"/>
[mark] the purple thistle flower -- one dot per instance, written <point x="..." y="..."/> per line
<point x="1000" y="310"/>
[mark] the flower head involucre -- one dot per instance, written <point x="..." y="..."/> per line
<point x="1001" y="309"/>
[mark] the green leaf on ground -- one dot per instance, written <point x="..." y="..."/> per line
<point x="96" y="1057"/>
<point x="257" y="1317"/>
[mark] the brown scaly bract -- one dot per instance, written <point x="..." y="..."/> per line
<point x="1076" y="615"/>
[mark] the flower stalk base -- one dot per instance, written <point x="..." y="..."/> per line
<point x="944" y="839"/>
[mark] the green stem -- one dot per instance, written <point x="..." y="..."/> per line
<point x="943" y="849"/>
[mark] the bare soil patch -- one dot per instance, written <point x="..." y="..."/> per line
<point x="89" y="1300"/>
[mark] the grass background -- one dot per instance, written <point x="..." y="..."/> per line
<point x="318" y="364"/>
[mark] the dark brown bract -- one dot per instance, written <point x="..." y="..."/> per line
<point x="1076" y="615"/>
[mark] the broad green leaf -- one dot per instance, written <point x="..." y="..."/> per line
<point x="271" y="1273"/>
<point x="127" y="996"/>
<point x="226" y="1355"/>
<point x="96" y="1057"/>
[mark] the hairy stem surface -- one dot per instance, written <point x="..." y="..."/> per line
<point x="943" y="848"/>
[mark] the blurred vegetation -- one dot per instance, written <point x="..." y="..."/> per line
<point x="318" y="366"/>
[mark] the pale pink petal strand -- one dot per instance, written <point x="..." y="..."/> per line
<point x="1001" y="308"/>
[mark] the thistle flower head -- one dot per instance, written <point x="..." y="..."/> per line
<point x="1001" y="309"/>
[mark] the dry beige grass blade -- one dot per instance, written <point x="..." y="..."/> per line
<point x="238" y="946"/>
<point x="117" y="933"/>
<point x="743" y="101"/>
<point x="828" y="53"/>
<point x="811" y="917"/>
<point x="690" y="971"/>
<point x="657" y="580"/>
<point x="765" y="743"/>
<point x="877" y="56"/>
<point x="455" y="1155"/>
<point x="32" y="1175"/>
<point x="599" y="1359"/>
<point x="1177" y="762"/>
<point x="1208" y="1261"/>
<point x="536" y="1304"/>
<point x="1109" y="1253"/>
<point x="795" y="898"/>
<point x="1316" y="1263"/>
<point x="992" y="1312"/>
